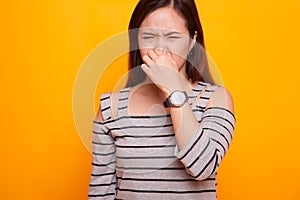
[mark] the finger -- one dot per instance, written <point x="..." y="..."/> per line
<point x="170" y="54"/>
<point x="152" y="55"/>
<point x="147" y="60"/>
<point x="158" y="51"/>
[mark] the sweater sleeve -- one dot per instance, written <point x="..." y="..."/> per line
<point x="103" y="177"/>
<point x="205" y="151"/>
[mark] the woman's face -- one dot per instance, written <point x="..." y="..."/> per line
<point x="165" y="29"/>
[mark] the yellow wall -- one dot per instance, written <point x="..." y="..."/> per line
<point x="254" y="43"/>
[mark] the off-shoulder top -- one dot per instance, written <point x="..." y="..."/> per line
<point x="136" y="157"/>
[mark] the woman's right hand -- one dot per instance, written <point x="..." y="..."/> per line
<point x="162" y="69"/>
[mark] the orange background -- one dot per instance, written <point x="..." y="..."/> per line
<point x="254" y="43"/>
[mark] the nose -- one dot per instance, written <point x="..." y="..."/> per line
<point x="161" y="44"/>
<point x="159" y="51"/>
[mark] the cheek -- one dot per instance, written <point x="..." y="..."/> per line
<point x="180" y="49"/>
<point x="144" y="47"/>
<point x="143" y="52"/>
<point x="180" y="54"/>
<point x="180" y="61"/>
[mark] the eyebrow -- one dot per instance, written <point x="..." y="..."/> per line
<point x="165" y="34"/>
<point x="148" y="33"/>
<point x="172" y="33"/>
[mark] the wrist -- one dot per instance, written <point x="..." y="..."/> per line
<point x="168" y="91"/>
<point x="176" y="99"/>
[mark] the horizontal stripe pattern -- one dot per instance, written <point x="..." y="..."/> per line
<point x="103" y="157"/>
<point x="205" y="151"/>
<point x="105" y="105"/>
<point x="136" y="157"/>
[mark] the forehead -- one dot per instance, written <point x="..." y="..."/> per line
<point x="165" y="18"/>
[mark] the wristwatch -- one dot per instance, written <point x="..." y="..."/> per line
<point x="176" y="99"/>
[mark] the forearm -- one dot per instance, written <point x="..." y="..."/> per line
<point x="185" y="124"/>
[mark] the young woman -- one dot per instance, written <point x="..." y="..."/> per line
<point x="165" y="133"/>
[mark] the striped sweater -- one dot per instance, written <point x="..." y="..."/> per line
<point x="136" y="157"/>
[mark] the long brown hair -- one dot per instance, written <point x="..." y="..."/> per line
<point x="197" y="67"/>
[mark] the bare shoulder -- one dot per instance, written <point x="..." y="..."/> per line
<point x="113" y="104"/>
<point x="99" y="116"/>
<point x="221" y="97"/>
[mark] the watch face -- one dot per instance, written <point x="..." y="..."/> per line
<point x="177" y="98"/>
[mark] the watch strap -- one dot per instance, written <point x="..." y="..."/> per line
<point x="166" y="103"/>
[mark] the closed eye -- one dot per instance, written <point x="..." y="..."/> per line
<point x="148" y="37"/>
<point x="174" y="37"/>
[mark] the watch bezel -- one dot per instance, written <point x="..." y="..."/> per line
<point x="170" y="101"/>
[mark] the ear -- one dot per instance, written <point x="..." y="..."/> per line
<point x="194" y="40"/>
